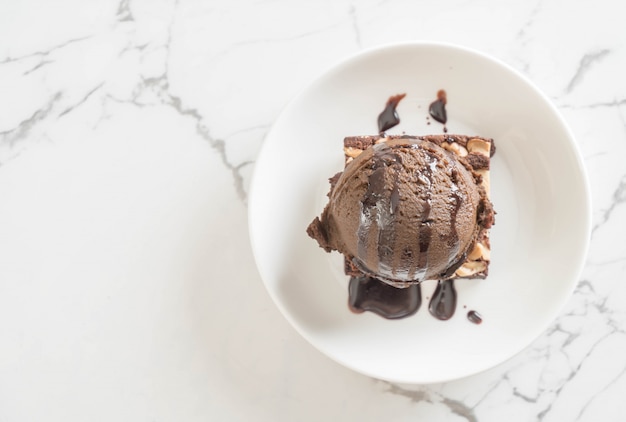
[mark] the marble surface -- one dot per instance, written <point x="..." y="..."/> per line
<point x="128" y="135"/>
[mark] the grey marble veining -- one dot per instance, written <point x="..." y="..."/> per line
<point x="107" y="78"/>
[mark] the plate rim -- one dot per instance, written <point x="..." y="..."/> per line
<point x="456" y="48"/>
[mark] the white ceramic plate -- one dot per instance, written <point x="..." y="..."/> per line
<point x="539" y="190"/>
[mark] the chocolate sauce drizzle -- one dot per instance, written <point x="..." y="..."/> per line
<point x="443" y="303"/>
<point x="379" y="205"/>
<point x="371" y="294"/>
<point x="389" y="118"/>
<point x="425" y="232"/>
<point x="474" y="317"/>
<point x="437" y="108"/>
<point x="456" y="200"/>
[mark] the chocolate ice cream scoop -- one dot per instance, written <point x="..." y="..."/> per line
<point x="403" y="211"/>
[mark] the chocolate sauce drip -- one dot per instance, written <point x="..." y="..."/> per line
<point x="386" y="222"/>
<point x="456" y="199"/>
<point x="371" y="294"/>
<point x="443" y="303"/>
<point x="437" y="108"/>
<point x="452" y="268"/>
<point x="378" y="205"/>
<point x="425" y="232"/>
<point x="474" y="317"/>
<point x="375" y="185"/>
<point x="389" y="116"/>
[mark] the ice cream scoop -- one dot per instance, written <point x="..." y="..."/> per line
<point x="403" y="211"/>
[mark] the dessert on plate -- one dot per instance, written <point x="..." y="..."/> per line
<point x="410" y="208"/>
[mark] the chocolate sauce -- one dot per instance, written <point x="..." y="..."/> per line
<point x="456" y="199"/>
<point x="425" y="234"/>
<point x="452" y="268"/>
<point x="437" y="108"/>
<point x="474" y="317"/>
<point x="377" y="206"/>
<point x="443" y="303"/>
<point x="371" y="294"/>
<point x="389" y="116"/>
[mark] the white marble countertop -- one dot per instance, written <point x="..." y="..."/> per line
<point x="128" y="134"/>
